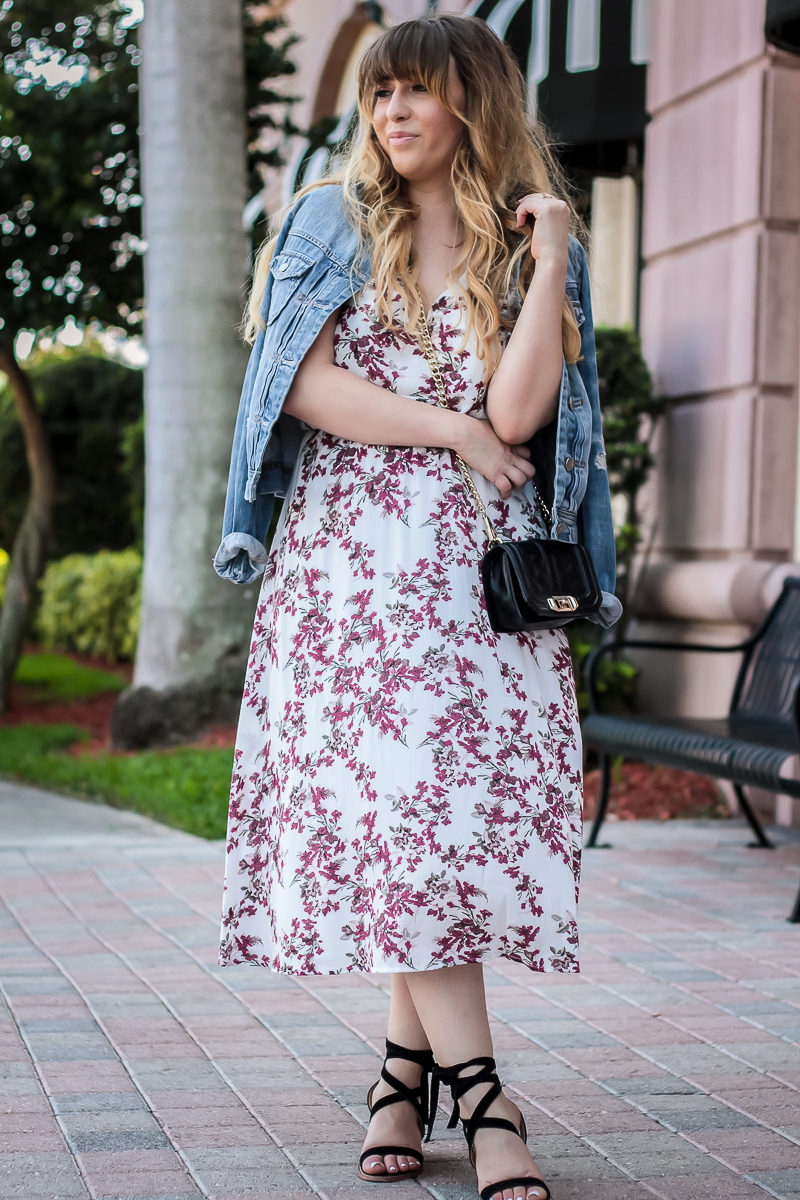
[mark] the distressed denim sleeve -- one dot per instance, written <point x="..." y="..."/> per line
<point x="242" y="555"/>
<point x="595" y="521"/>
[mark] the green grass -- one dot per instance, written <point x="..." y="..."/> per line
<point x="187" y="788"/>
<point x="58" y="679"/>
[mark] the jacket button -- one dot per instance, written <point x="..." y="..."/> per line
<point x="561" y="527"/>
<point x="569" y="463"/>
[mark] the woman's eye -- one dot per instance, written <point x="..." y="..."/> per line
<point x="420" y="87"/>
<point x="380" y="93"/>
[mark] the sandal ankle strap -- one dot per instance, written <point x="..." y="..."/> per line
<point x="419" y="1096"/>
<point x="449" y="1076"/>
<point x="424" y="1058"/>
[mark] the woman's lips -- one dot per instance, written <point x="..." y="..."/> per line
<point x="399" y="139"/>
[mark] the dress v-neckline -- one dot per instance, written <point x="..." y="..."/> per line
<point x="435" y="301"/>
<point x="448" y="291"/>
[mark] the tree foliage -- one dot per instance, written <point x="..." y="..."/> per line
<point x="70" y="230"/>
<point x="267" y="48"/>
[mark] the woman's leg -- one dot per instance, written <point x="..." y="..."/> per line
<point x="450" y="1004"/>
<point x="404" y="1025"/>
<point x="397" y="1123"/>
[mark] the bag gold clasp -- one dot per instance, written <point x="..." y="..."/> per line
<point x="562" y="603"/>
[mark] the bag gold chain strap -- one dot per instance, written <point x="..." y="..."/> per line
<point x="436" y="372"/>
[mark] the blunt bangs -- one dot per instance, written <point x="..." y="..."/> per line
<point x="416" y="51"/>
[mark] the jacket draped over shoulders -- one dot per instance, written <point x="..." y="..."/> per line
<point x="314" y="270"/>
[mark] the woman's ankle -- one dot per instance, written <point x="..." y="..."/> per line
<point x="500" y="1106"/>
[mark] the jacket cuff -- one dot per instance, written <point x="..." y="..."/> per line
<point x="240" y="558"/>
<point x="609" y="612"/>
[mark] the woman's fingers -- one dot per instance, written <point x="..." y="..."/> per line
<point x="507" y="466"/>
<point x="517" y="474"/>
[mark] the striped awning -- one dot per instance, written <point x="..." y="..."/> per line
<point x="585" y="61"/>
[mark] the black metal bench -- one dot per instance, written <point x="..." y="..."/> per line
<point x="757" y="739"/>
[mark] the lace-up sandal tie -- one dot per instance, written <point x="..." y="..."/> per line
<point x="417" y="1097"/>
<point x="487" y="1073"/>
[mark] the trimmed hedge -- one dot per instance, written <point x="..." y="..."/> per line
<point x="91" y="603"/>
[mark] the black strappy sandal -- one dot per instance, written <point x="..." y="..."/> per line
<point x="487" y="1074"/>
<point x="417" y="1097"/>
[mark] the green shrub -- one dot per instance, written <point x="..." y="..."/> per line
<point x="91" y="603"/>
<point x="630" y="414"/>
<point x="131" y="447"/>
<point x="87" y="402"/>
<point x="616" y="678"/>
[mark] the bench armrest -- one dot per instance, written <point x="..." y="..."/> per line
<point x="650" y="644"/>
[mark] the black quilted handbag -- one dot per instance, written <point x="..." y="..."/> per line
<point x="536" y="583"/>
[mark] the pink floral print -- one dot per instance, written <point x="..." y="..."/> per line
<point x="407" y="784"/>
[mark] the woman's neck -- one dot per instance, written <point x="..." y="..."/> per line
<point x="437" y="215"/>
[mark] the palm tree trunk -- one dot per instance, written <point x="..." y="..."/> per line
<point x="194" y="182"/>
<point x="30" y="544"/>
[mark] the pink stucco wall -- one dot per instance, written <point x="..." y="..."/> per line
<point x="720" y="317"/>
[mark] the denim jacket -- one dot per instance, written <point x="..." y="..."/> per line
<point x="313" y="272"/>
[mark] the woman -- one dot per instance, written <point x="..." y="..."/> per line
<point x="406" y="792"/>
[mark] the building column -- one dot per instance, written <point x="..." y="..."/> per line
<point x="720" y="323"/>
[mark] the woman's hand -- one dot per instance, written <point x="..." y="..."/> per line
<point x="550" y="219"/>
<point x="507" y="467"/>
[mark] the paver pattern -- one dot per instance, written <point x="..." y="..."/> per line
<point x="135" y="1068"/>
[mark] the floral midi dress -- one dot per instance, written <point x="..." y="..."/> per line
<point x="407" y="784"/>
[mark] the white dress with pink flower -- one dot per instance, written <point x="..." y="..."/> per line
<point x="407" y="783"/>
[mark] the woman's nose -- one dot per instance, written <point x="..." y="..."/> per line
<point x="398" y="104"/>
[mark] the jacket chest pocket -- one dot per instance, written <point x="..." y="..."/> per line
<point x="573" y="296"/>
<point x="287" y="270"/>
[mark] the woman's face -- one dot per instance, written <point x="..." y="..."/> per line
<point x="417" y="132"/>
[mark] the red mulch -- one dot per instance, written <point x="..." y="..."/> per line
<point x="656" y="793"/>
<point x="92" y="713"/>
<point x="638" y="790"/>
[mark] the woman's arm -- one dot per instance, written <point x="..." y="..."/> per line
<point x="523" y="393"/>
<point x="340" y="402"/>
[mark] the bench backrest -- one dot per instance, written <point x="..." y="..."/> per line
<point x="766" y="698"/>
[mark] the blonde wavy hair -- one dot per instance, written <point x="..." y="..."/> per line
<point x="500" y="158"/>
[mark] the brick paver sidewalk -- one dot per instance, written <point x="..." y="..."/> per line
<point x="134" y="1067"/>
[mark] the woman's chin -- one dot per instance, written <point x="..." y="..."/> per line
<point x="405" y="164"/>
<point x="420" y="172"/>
